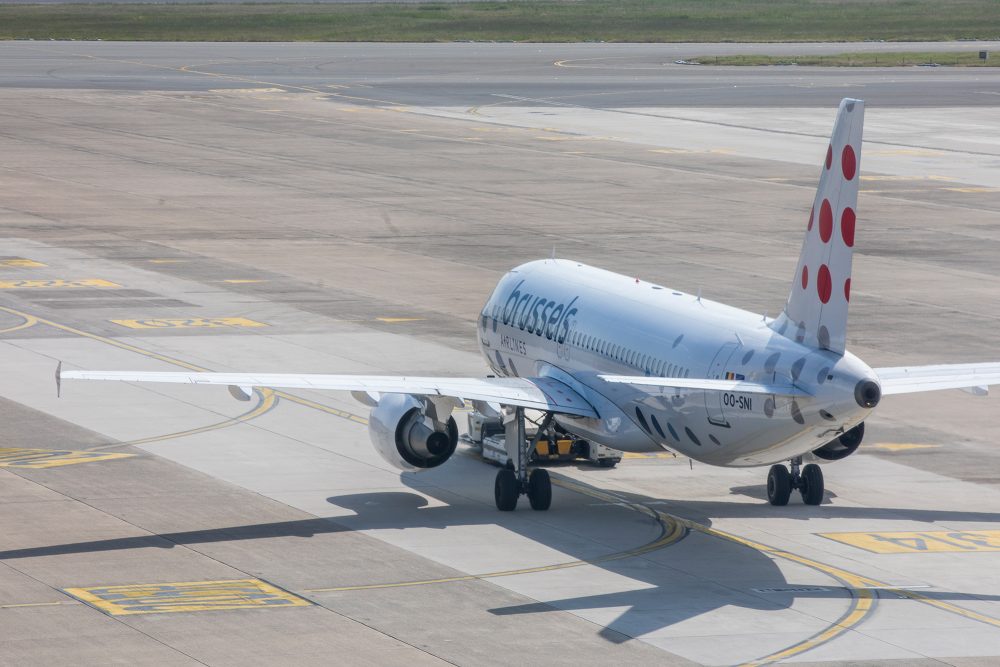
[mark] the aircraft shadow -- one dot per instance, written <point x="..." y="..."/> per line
<point x="695" y="576"/>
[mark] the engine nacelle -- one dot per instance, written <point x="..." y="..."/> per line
<point x="407" y="434"/>
<point x="843" y="446"/>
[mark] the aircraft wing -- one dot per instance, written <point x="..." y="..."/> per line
<point x="737" y="386"/>
<point x="533" y="393"/>
<point x="975" y="378"/>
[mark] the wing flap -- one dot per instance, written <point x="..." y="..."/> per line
<point x="913" y="379"/>
<point x="534" y="393"/>
<point x="735" y="386"/>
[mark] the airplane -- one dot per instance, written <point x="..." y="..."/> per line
<point x="639" y="367"/>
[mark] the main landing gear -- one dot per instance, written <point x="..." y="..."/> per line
<point x="512" y="483"/>
<point x="809" y="482"/>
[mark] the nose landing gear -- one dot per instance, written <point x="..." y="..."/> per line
<point x="808" y="480"/>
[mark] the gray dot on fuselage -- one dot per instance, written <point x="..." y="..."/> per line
<point x="772" y="362"/>
<point x="797" y="413"/>
<point x="747" y="357"/>
<point x="823" y="336"/>
<point x="677" y="341"/>
<point x="821" y="377"/>
<point x="769" y="407"/>
<point x="850" y="107"/>
<point x="800" y="333"/>
<point x="797" y="368"/>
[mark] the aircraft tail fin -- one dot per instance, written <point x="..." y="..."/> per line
<point x="816" y="310"/>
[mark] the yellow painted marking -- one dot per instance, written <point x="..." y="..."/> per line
<point x="571" y="138"/>
<point x="671" y="533"/>
<point x="35" y="604"/>
<point x="243" y="282"/>
<point x="267" y="400"/>
<point x="925" y="152"/>
<point x="190" y="323"/>
<point x="186" y="596"/>
<point x="29" y="321"/>
<point x="16" y="457"/>
<point x="22" y="263"/>
<point x="395" y="320"/>
<point x="654" y="455"/>
<point x="238" y="91"/>
<point x="920" y="541"/>
<point x="684" y="151"/>
<point x="972" y="190"/>
<point x="905" y="178"/>
<point x="56" y="283"/>
<point x="169" y="261"/>
<point x="900" y="446"/>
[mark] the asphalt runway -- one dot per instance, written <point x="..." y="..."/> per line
<point x="347" y="208"/>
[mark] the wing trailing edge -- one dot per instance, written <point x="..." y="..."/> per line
<point x="735" y="386"/>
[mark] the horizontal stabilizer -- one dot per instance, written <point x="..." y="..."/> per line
<point x="913" y="379"/>
<point x="735" y="386"/>
<point x="534" y="393"/>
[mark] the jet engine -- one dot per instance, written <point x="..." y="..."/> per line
<point x="408" y="433"/>
<point x="843" y="446"/>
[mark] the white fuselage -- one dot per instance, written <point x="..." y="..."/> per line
<point x="573" y="322"/>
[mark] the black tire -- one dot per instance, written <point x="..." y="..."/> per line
<point x="779" y="485"/>
<point x="812" y="484"/>
<point x="540" y="490"/>
<point x="506" y="491"/>
<point x="608" y="463"/>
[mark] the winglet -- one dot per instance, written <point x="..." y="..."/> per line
<point x="58" y="379"/>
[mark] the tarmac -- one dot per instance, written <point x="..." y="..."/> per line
<point x="347" y="208"/>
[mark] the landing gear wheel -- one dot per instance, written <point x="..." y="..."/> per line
<point x="812" y="485"/>
<point x="779" y="485"/>
<point x="539" y="490"/>
<point x="506" y="490"/>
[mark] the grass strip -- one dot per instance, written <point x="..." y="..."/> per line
<point x="517" y="20"/>
<point x="884" y="59"/>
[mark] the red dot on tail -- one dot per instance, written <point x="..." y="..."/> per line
<point x="805" y="276"/>
<point x="829" y="156"/>
<point x="847" y="289"/>
<point x="824" y="284"/>
<point x="849" y="162"/>
<point x="812" y="212"/>
<point x="825" y="221"/>
<point x="847" y="220"/>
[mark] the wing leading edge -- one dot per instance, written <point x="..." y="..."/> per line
<point x="912" y="379"/>
<point x="533" y="393"/>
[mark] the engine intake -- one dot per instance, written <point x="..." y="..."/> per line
<point x="843" y="446"/>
